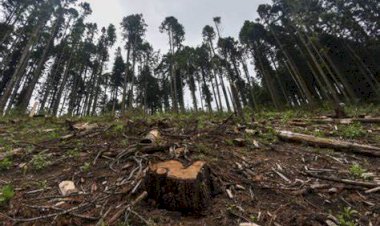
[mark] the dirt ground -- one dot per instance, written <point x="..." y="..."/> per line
<point x="261" y="179"/>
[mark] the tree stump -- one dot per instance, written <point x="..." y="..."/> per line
<point x="175" y="187"/>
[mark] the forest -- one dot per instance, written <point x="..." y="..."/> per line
<point x="303" y="53"/>
<point x="278" y="125"/>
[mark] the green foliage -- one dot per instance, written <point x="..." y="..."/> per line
<point x="356" y="170"/>
<point x="202" y="148"/>
<point x="351" y="131"/>
<point x="119" y="129"/>
<point x="73" y="153"/>
<point x="5" y="164"/>
<point x="318" y="133"/>
<point x="40" y="162"/>
<point x="269" y="135"/>
<point x="347" y="217"/>
<point x="42" y="184"/>
<point x="86" y="167"/>
<point x="6" y="194"/>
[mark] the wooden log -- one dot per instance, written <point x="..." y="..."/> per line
<point x="329" y="143"/>
<point x="175" y="187"/>
<point x="151" y="138"/>
<point x="346" y="120"/>
<point x="344" y="181"/>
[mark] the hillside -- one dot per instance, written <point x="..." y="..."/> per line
<point x="256" y="176"/>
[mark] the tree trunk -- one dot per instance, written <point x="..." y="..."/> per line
<point x="331" y="88"/>
<point x="36" y="75"/>
<point x="20" y="66"/>
<point x="62" y="86"/>
<point x="124" y="96"/>
<point x="295" y="70"/>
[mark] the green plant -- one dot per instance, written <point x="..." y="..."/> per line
<point x="347" y="217"/>
<point x="351" y="131"/>
<point x="269" y="135"/>
<point x="86" y="167"/>
<point x="6" y="194"/>
<point x="42" y="184"/>
<point x="5" y="164"/>
<point x="39" y="162"/>
<point x="73" y="153"/>
<point x="118" y="128"/>
<point x="356" y="170"/>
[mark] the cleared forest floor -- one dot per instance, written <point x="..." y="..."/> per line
<point x="262" y="179"/>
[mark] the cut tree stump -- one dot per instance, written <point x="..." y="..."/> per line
<point x="330" y="143"/>
<point x="175" y="187"/>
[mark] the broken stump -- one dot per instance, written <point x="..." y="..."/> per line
<point x="175" y="187"/>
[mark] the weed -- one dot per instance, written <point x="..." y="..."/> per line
<point x="73" y="153"/>
<point x="354" y="130"/>
<point x="318" y="133"/>
<point x="42" y="184"/>
<point x="346" y="218"/>
<point x="287" y="116"/>
<point x="229" y="142"/>
<point x="5" y="164"/>
<point x="6" y="194"/>
<point x="269" y="135"/>
<point x="253" y="218"/>
<point x="39" y="162"/>
<point x="86" y="167"/>
<point x="356" y="170"/>
<point x="202" y="148"/>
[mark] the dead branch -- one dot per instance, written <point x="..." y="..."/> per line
<point x="117" y="215"/>
<point x="343" y="181"/>
<point x="329" y="143"/>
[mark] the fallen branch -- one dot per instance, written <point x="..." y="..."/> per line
<point x="343" y="181"/>
<point x="329" y="143"/>
<point x="347" y="120"/>
<point x="373" y="190"/>
<point x="51" y="215"/>
<point x="117" y="215"/>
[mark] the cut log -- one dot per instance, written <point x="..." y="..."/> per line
<point x="329" y="143"/>
<point x="344" y="181"/>
<point x="175" y="187"/>
<point x="346" y="120"/>
<point x="151" y="138"/>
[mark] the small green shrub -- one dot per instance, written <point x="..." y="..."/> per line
<point x="356" y="170"/>
<point x="40" y="162"/>
<point x="86" y="167"/>
<point x="354" y="130"/>
<point x="6" y="194"/>
<point x="347" y="217"/>
<point x="5" y="164"/>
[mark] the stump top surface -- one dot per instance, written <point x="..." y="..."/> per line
<point x="175" y="169"/>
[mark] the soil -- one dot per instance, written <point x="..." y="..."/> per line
<point x="264" y="180"/>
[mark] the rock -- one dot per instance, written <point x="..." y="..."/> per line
<point x="67" y="188"/>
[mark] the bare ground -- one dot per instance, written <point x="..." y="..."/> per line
<point x="262" y="179"/>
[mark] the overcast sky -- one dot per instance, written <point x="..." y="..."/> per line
<point x="193" y="14"/>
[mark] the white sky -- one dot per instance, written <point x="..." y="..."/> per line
<point x="193" y="14"/>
